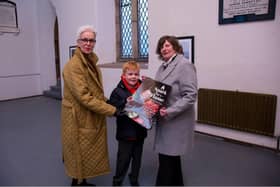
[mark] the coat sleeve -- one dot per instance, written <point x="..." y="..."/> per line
<point x="117" y="99"/>
<point x="75" y="78"/>
<point x="187" y="95"/>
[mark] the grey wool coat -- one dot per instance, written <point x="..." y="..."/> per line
<point x="174" y="132"/>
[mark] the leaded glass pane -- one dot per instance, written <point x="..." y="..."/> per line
<point x="126" y="28"/>
<point x="143" y="46"/>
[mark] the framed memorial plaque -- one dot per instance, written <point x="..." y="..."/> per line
<point x="238" y="11"/>
<point x="8" y="17"/>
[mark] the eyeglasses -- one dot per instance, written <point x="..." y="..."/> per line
<point x="86" y="40"/>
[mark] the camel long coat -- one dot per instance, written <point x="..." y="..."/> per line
<point x="84" y="110"/>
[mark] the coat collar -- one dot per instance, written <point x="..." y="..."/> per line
<point x="164" y="72"/>
<point x="93" y="58"/>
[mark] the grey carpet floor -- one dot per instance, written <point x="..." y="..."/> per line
<point x="30" y="153"/>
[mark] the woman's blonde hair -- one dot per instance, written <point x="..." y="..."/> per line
<point x="130" y="65"/>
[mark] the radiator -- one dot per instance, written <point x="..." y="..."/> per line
<point x="249" y="112"/>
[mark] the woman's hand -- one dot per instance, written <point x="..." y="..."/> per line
<point x="163" y="112"/>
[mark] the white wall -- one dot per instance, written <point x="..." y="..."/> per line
<point x="72" y="14"/>
<point x="20" y="74"/>
<point x="27" y="59"/>
<point x="240" y="56"/>
<point x="45" y="25"/>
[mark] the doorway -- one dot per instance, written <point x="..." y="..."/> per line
<point x="57" y="56"/>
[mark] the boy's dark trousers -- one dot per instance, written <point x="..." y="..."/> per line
<point x="129" y="150"/>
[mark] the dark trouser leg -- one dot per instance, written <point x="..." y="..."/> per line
<point x="164" y="174"/>
<point x="169" y="171"/>
<point x="178" y="174"/>
<point x="136" y="162"/>
<point x="123" y="160"/>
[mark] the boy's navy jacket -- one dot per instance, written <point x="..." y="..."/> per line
<point x="127" y="129"/>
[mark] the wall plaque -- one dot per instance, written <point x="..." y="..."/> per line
<point x="8" y="17"/>
<point x="237" y="11"/>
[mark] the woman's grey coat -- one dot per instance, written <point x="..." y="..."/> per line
<point x="174" y="132"/>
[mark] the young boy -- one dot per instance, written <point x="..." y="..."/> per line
<point x="130" y="135"/>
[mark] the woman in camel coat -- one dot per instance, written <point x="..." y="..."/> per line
<point x="84" y="111"/>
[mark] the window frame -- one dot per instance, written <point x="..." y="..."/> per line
<point x="135" y="33"/>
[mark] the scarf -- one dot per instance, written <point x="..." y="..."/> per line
<point x="128" y="87"/>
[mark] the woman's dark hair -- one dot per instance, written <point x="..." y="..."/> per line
<point x="171" y="39"/>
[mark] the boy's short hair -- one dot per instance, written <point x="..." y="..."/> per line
<point x="130" y="65"/>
